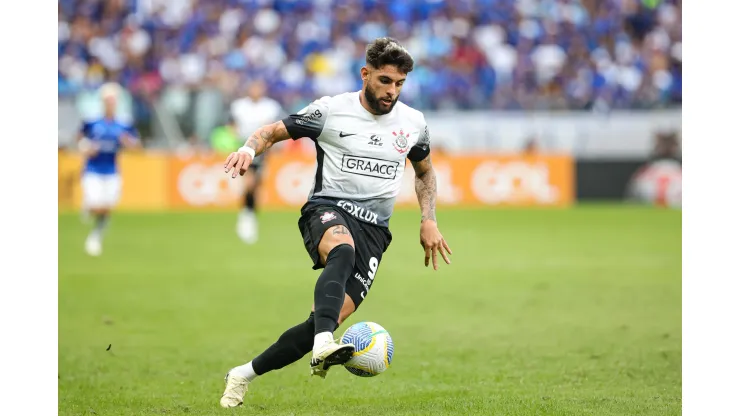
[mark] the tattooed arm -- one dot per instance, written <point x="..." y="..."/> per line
<point x="257" y="143"/>
<point x="308" y="122"/>
<point x="426" y="192"/>
<point x="266" y="136"/>
<point x="426" y="188"/>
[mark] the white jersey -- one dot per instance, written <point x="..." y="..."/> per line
<point x="361" y="157"/>
<point x="249" y="115"/>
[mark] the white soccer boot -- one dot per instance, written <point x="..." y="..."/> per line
<point x="246" y="227"/>
<point x="93" y="246"/>
<point x="328" y="355"/>
<point x="236" y="388"/>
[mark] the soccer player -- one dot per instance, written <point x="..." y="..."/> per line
<point x="99" y="142"/>
<point x="249" y="113"/>
<point x="362" y="139"/>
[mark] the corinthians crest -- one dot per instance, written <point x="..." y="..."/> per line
<point x="401" y="143"/>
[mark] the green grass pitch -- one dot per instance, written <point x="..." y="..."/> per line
<point x="542" y="312"/>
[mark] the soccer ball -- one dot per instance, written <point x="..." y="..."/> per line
<point x="373" y="349"/>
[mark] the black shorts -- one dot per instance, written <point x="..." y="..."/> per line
<point x="371" y="242"/>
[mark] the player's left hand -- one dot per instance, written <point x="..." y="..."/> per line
<point x="433" y="242"/>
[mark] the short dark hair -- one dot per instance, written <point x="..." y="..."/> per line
<point x="388" y="51"/>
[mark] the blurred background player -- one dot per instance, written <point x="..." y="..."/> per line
<point x="249" y="113"/>
<point x="99" y="142"/>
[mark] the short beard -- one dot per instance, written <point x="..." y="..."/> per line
<point x="374" y="103"/>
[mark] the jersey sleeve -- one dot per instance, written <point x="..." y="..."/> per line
<point x="308" y="122"/>
<point x="421" y="149"/>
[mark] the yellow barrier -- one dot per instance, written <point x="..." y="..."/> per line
<point x="144" y="179"/>
<point x="159" y="181"/>
<point x="70" y="172"/>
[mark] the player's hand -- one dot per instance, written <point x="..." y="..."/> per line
<point x="433" y="242"/>
<point x="239" y="162"/>
<point x="88" y="148"/>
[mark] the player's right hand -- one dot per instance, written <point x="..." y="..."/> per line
<point x="239" y="162"/>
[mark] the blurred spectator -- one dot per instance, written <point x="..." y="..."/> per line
<point x="477" y="54"/>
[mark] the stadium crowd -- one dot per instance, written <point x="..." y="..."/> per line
<point x="475" y="54"/>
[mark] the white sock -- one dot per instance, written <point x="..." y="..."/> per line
<point x="245" y="370"/>
<point x="321" y="339"/>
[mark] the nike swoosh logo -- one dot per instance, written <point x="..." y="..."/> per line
<point x="341" y="134"/>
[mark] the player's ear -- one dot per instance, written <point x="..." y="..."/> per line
<point x="364" y="73"/>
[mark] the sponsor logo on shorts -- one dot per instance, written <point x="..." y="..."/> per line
<point x="327" y="216"/>
<point x="368" y="166"/>
<point x="359" y="212"/>
<point x="365" y="282"/>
